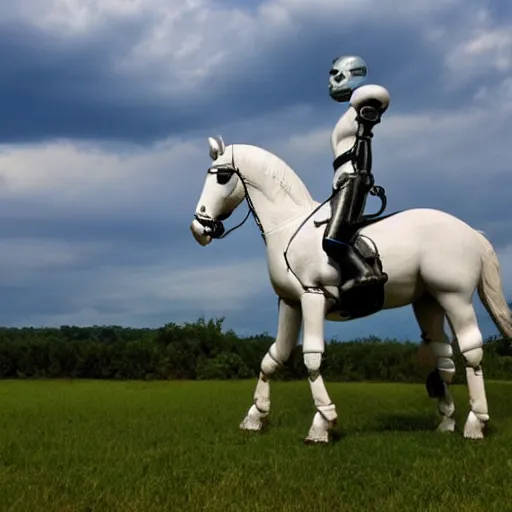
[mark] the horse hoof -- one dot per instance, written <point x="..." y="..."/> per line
<point x="446" y="425"/>
<point x="322" y="439"/>
<point x="251" y="425"/>
<point x="253" y="420"/>
<point x="474" y="427"/>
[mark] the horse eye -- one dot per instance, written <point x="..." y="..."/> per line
<point x="223" y="177"/>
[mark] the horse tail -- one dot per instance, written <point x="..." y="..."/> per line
<point x="490" y="290"/>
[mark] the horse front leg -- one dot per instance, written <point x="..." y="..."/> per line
<point x="313" y="311"/>
<point x="289" y="322"/>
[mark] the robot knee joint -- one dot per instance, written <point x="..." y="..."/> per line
<point x="443" y="353"/>
<point x="269" y="364"/>
<point x="446" y="368"/>
<point x="312" y="361"/>
<point x="440" y="349"/>
<point x="473" y="357"/>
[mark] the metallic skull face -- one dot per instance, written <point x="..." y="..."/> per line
<point x="346" y="75"/>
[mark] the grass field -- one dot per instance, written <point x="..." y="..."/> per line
<point x="175" y="446"/>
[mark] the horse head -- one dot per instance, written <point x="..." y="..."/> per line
<point x="222" y="192"/>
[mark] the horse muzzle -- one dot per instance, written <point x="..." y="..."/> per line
<point x="205" y="229"/>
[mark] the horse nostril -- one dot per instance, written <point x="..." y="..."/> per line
<point x="202" y="209"/>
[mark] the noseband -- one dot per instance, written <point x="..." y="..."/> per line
<point x="215" y="227"/>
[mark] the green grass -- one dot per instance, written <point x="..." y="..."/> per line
<point x="175" y="446"/>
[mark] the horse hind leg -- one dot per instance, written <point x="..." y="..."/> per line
<point x="463" y="322"/>
<point x="289" y="322"/>
<point x="430" y="317"/>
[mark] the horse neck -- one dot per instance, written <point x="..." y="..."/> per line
<point x="276" y="192"/>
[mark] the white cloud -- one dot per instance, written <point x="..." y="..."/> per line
<point x="86" y="178"/>
<point x="418" y="139"/>
<point x="481" y="47"/>
<point x="459" y="139"/>
<point x="484" y="51"/>
<point x="74" y="16"/>
<point x="182" y="44"/>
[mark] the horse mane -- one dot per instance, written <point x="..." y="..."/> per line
<point x="261" y="161"/>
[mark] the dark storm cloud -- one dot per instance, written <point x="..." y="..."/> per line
<point x="52" y="87"/>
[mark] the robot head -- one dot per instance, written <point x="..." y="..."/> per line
<point x="347" y="73"/>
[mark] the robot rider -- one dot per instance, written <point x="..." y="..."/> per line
<point x="351" y="143"/>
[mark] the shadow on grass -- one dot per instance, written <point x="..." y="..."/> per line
<point x="401" y="422"/>
<point x="417" y="423"/>
<point x="337" y="435"/>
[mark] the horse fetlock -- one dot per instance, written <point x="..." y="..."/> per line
<point x="262" y="404"/>
<point x="446" y="407"/>
<point x="319" y="430"/>
<point x="479" y="407"/>
<point x="482" y="416"/>
<point x="252" y="420"/>
<point x="478" y="399"/>
<point x="328" y="412"/>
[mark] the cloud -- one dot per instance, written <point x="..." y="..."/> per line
<point x="216" y="288"/>
<point x="140" y="71"/>
<point x="86" y="179"/>
<point x="118" y="230"/>
<point x="107" y="106"/>
<point x="150" y="294"/>
<point x="21" y="258"/>
<point x="485" y="49"/>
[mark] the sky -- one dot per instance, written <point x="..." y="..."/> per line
<point x="106" y="110"/>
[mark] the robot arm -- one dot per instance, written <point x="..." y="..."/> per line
<point x="369" y="102"/>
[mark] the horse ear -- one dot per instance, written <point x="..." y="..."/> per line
<point x="222" y="145"/>
<point x="217" y="146"/>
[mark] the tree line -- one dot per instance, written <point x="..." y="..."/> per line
<point x="203" y="350"/>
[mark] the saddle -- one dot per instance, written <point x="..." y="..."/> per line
<point x="364" y="301"/>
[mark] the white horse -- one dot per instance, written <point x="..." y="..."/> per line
<point x="435" y="262"/>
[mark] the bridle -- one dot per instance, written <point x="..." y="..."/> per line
<point x="215" y="226"/>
